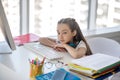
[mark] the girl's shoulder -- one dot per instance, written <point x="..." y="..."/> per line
<point x="81" y="44"/>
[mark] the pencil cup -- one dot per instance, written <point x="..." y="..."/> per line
<point x="35" y="70"/>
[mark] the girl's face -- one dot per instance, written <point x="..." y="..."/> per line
<point x="65" y="35"/>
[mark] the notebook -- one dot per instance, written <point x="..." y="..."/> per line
<point x="44" y="51"/>
<point x="26" y="38"/>
<point x="59" y="74"/>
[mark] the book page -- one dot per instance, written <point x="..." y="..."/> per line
<point x="96" y="61"/>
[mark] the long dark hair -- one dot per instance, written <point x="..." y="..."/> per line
<point x="73" y="25"/>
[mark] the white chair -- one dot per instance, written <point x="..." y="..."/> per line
<point x="104" y="45"/>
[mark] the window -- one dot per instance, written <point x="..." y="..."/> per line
<point x="12" y="10"/>
<point x="44" y="14"/>
<point x="108" y="13"/>
<point x="41" y="16"/>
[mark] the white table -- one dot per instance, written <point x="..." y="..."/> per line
<point x="16" y="66"/>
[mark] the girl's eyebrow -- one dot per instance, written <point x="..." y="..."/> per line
<point x="65" y="30"/>
<point x="62" y="30"/>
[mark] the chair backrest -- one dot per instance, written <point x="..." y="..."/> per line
<point x="104" y="45"/>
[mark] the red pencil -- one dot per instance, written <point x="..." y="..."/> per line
<point x="43" y="60"/>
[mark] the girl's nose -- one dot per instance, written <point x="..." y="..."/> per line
<point x="60" y="36"/>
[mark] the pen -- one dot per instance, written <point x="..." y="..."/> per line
<point x="29" y="60"/>
<point x="35" y="62"/>
<point x="43" y="60"/>
<point x="32" y="61"/>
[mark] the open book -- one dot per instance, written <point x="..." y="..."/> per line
<point x="95" y="64"/>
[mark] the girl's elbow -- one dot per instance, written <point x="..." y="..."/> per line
<point x="77" y="56"/>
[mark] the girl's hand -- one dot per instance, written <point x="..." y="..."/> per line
<point x="59" y="47"/>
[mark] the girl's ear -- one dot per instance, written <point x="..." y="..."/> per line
<point x="74" y="32"/>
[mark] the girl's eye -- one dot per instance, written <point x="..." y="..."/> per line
<point x="64" y="32"/>
<point x="58" y="33"/>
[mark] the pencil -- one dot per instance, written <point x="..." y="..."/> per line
<point x="43" y="60"/>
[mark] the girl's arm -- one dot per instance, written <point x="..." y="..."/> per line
<point x="50" y="43"/>
<point x="77" y="52"/>
<point x="47" y="41"/>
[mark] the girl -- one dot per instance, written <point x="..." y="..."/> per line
<point x="70" y="39"/>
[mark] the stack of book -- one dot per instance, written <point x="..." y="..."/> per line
<point x="96" y="65"/>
